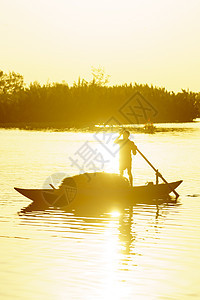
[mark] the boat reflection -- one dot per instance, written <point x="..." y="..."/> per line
<point x="123" y="222"/>
<point x="89" y="207"/>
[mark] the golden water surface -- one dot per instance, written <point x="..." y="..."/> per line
<point x="145" y="252"/>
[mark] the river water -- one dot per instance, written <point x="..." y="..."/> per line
<point x="145" y="252"/>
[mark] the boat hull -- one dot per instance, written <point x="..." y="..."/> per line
<point x="77" y="198"/>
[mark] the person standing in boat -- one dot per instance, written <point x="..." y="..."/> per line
<point x="126" y="148"/>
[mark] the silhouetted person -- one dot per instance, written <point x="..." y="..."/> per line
<point x="126" y="148"/>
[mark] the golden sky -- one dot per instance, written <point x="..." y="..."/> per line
<point x="144" y="41"/>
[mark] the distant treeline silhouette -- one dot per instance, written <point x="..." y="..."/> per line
<point x="86" y="103"/>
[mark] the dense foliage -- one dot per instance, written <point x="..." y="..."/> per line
<point x="86" y="103"/>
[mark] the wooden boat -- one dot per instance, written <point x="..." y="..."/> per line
<point x="116" y="191"/>
<point x="149" y="128"/>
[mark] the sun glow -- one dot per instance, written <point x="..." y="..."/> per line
<point x="115" y="214"/>
<point x="108" y="150"/>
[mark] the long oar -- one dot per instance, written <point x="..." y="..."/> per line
<point x="160" y="175"/>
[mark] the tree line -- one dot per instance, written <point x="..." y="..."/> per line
<point x="88" y="103"/>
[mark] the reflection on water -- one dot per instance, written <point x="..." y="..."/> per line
<point x="120" y="255"/>
<point x="141" y="252"/>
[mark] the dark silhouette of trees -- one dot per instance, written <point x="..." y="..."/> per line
<point x="11" y="83"/>
<point x="99" y="77"/>
<point x="86" y="103"/>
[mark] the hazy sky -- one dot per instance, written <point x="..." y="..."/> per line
<point x="144" y="41"/>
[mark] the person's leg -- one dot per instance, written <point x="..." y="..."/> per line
<point x="130" y="176"/>
<point x="121" y="170"/>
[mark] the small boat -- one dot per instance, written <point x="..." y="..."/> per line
<point x="103" y="189"/>
<point x="149" y="128"/>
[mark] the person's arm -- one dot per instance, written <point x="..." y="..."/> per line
<point x="117" y="139"/>
<point x="134" y="148"/>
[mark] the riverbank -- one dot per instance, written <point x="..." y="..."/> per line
<point x="63" y="126"/>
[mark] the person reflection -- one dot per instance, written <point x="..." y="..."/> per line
<point x="126" y="234"/>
